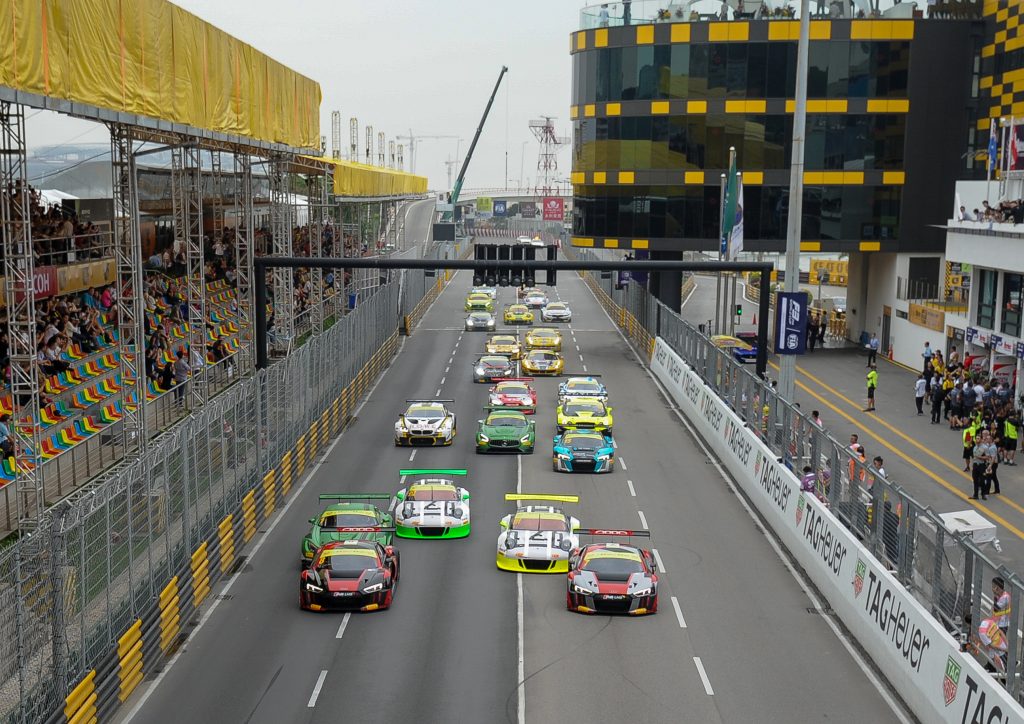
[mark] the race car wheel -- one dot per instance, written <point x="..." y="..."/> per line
<point x="608" y="432"/>
<point x="388" y="599"/>
<point x="654" y="604"/>
<point x="568" y="601"/>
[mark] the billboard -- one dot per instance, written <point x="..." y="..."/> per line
<point x="528" y="209"/>
<point x="484" y="207"/>
<point x="791" y="322"/>
<point x="554" y="208"/>
<point x="500" y="207"/>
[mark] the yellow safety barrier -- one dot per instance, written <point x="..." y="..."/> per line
<point x="314" y="439"/>
<point x="80" y="704"/>
<point x="170" y="615"/>
<point x="336" y="415"/>
<point x="269" y="497"/>
<point x="200" y="575"/>
<point x="286" y="472"/>
<point x="249" y="515"/>
<point x="325" y="425"/>
<point x="129" y="657"/>
<point x="300" y="454"/>
<point x="226" y="536"/>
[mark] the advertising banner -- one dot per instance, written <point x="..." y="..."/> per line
<point x="500" y="207"/>
<point x="484" y="207"/>
<point x="791" y="322"/>
<point x="554" y="208"/>
<point x="528" y="209"/>
<point x="77" y="277"/>
<point x="920" y="659"/>
<point x="927" y="317"/>
<point x="44" y="282"/>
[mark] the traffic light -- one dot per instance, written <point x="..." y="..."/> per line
<point x="488" y="275"/>
<point x="739" y="310"/>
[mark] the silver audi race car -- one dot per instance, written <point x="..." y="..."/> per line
<point x="480" y="322"/>
<point x="556" y="312"/>
<point x="493" y="368"/>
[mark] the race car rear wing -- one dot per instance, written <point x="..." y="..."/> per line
<point x="579" y="374"/>
<point x="355" y="496"/>
<point x="542" y="496"/>
<point x="362" y="529"/>
<point x="497" y="408"/>
<point x="519" y="379"/>
<point x="433" y="400"/>
<point x="432" y="471"/>
<point x="613" y="533"/>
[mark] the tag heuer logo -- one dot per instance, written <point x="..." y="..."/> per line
<point x="800" y="509"/>
<point x="951" y="680"/>
<point x="757" y="465"/>
<point x="858" y="577"/>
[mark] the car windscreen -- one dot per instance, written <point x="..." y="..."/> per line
<point x="432" y="494"/>
<point x="347" y="562"/>
<point x="506" y="421"/>
<point x="501" y="341"/>
<point x="583" y="442"/>
<point x="526" y="521"/>
<point x="612" y="566"/>
<point x="425" y="413"/>
<point x="348" y="520"/>
<point x="513" y="390"/>
<point x="495" y="362"/>
<point x="575" y="408"/>
<point x="544" y="356"/>
<point x="480" y="317"/>
<point x="584" y="387"/>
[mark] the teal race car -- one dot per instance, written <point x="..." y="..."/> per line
<point x="583" y="451"/>
<point x="348" y="519"/>
<point x="505" y="429"/>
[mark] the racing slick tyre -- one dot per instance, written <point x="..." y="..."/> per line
<point x="568" y="601"/>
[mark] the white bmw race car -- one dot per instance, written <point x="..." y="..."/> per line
<point x="425" y="422"/>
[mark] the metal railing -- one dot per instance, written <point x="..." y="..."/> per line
<point x="947" y="573"/>
<point x="97" y="595"/>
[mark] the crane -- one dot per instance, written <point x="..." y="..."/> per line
<point x="469" y="154"/>
<point x="413" y="140"/>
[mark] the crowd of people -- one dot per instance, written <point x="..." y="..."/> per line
<point x="58" y="236"/>
<point x="1006" y="212"/>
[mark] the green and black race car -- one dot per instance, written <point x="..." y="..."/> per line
<point x="348" y="519"/>
<point x="505" y="430"/>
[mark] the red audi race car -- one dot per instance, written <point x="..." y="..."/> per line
<point x="612" y="577"/>
<point x="351" y="575"/>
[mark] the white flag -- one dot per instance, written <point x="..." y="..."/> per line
<point x="736" y="235"/>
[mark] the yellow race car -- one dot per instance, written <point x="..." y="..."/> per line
<point x="518" y="314"/>
<point x="544" y="338"/>
<point x="542" y="362"/>
<point x="505" y="344"/>
<point x="537" y="538"/>
<point x="584" y="413"/>
<point x="479" y="302"/>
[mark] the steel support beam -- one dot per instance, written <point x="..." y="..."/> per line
<point x="243" y="262"/>
<point x="281" y="228"/>
<point x="130" y="282"/>
<point x="316" y="200"/>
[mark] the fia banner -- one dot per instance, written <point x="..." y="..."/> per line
<point x="554" y="208"/>
<point x="791" y="322"/>
<point x="500" y="207"/>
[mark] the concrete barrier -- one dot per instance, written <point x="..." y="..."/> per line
<point x="920" y="659"/>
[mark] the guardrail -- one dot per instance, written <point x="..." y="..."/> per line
<point x="98" y="596"/>
<point x="947" y="574"/>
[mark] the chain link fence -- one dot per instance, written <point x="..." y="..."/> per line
<point x="101" y="591"/>
<point x="947" y="573"/>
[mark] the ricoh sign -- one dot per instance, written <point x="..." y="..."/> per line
<point x="918" y="657"/>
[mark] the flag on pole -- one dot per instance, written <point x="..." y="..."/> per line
<point x="736" y="237"/>
<point x="729" y="209"/>
<point x="1014" y="147"/>
<point x="993" y="147"/>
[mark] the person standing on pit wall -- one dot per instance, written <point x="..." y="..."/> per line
<point x="872" y="347"/>
<point x="1011" y="432"/>
<point x="872" y="382"/>
<point x="919" y="392"/>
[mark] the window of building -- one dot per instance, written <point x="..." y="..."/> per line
<point x="986" y="317"/>
<point x="1013" y="295"/>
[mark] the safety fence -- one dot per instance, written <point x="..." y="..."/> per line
<point x="947" y="573"/>
<point x="102" y="592"/>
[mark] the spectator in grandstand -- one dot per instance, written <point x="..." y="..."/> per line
<point x="152" y="363"/>
<point x="181" y="370"/>
<point x="166" y="379"/>
<point x="6" y="443"/>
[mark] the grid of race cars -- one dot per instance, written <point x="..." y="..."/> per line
<point x="349" y="560"/>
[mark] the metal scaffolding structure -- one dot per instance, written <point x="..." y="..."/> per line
<point x="543" y="130"/>
<point x="369" y="145"/>
<point x="380" y="149"/>
<point x="317" y="200"/>
<point x="130" y="290"/>
<point x="336" y="134"/>
<point x="353" y="139"/>
<point x="217" y="196"/>
<point x="281" y="231"/>
<point x="244" y="243"/>
<point x="19" y="290"/>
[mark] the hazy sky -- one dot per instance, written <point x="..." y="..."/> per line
<point x="425" y="66"/>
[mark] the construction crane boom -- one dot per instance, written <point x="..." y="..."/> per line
<point x="476" y="137"/>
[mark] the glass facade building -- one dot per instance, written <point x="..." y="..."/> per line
<point x="657" y="107"/>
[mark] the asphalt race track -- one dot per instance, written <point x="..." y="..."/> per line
<point x="734" y="639"/>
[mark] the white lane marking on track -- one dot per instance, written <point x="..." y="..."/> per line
<point x="438" y="393"/>
<point x="443" y="379"/>
<point x="447" y="368"/>
<point x="703" y="676"/>
<point x="577" y="348"/>
<point x="622" y="460"/>
<point x="316" y="689"/>
<point x="584" y="368"/>
<point x="679" y="612"/>
<point x="412" y="455"/>
<point x="643" y="520"/>
<point x="252" y="554"/>
<point x="657" y="559"/>
<point x="519" y="474"/>
<point x="688" y="296"/>
<point x="345" y="620"/>
<point x="632" y="490"/>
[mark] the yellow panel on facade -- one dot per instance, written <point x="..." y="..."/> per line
<point x="613" y="109"/>
<point x="590" y="110"/>
<point x="681" y="33"/>
<point x="853" y="178"/>
<point x="1013" y="22"/>
<point x="869" y="246"/>
<point x="985" y="82"/>
<point x="578" y="177"/>
<point x="783" y="30"/>
<point x="659" y="108"/>
<point x="877" y="105"/>
<point x="837" y="106"/>
<point x="577" y="241"/>
<point x="1017" y="108"/>
<point x="894" y="178"/>
<point x="790" y="106"/>
<point x="601" y="38"/>
<point x="694" y="177"/>
<point x="899" y="105"/>
<point x="581" y="40"/>
<point x="644" y="34"/>
<point x="753" y="178"/>
<point x="611" y="243"/>
<point x="987" y="51"/>
<point x="626" y="177"/>
<point x="820" y="30"/>
<point x="1002" y="15"/>
<point x="739" y="31"/>
<point x="718" y="32"/>
<point x="832" y="178"/>
<point x="1006" y="99"/>
<point x="902" y="30"/>
<point x="696" y="107"/>
<point x="574" y="111"/>
<point x="639" y="243"/>
<point x="860" y="30"/>
<point x="997" y="90"/>
<point x="881" y="29"/>
<point x="1000" y="37"/>
<point x="817" y="105"/>
<point x="814" y="178"/>
<point x="735" y="106"/>
<point x="600" y="177"/>
<point x="810" y="246"/>
<point x="990" y="7"/>
<point x="756" y="106"/>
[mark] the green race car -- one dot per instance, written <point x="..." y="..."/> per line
<point x="505" y="430"/>
<point x="348" y="520"/>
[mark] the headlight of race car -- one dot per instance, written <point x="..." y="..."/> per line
<point x="480" y="370"/>
<point x="482" y="438"/>
<point x="642" y="592"/>
<point x="373" y="588"/>
<point x="313" y="589"/>
<point x="511" y="541"/>
<point x="457" y="513"/>
<point x="564" y="456"/>
<point x="603" y="456"/>
<point x="490" y="322"/>
<point x="576" y="588"/>
<point x="565" y="545"/>
<point x="400" y="426"/>
<point x="408" y="510"/>
<point x="524" y="439"/>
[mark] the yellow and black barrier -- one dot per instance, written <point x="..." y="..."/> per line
<point x="80" y="704"/>
<point x="200" y="575"/>
<point x="129" y="660"/>
<point x="170" y="615"/>
<point x="226" y="541"/>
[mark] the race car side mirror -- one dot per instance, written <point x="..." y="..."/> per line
<point x="313" y="521"/>
<point x="465" y="496"/>
<point x="480" y="422"/>
<point x="610" y="409"/>
<point x="399" y="495"/>
<point x="390" y="550"/>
